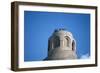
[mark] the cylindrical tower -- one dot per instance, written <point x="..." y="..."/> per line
<point x="61" y="46"/>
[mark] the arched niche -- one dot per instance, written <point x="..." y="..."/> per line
<point x="68" y="41"/>
<point x="73" y="45"/>
<point x="56" y="42"/>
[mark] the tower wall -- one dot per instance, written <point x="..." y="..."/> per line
<point x="61" y="46"/>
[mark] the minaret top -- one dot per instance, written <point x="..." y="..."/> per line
<point x="62" y="32"/>
<point x="61" y="45"/>
<point x="60" y="29"/>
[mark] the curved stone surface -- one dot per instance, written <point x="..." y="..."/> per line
<point x="61" y="46"/>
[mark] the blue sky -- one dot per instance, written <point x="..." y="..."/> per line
<point x="39" y="26"/>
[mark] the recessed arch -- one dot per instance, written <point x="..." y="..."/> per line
<point x="56" y="42"/>
<point x="68" y="40"/>
<point x="73" y="45"/>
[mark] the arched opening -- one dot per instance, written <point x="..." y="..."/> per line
<point x="68" y="41"/>
<point x="56" y="42"/>
<point x="73" y="45"/>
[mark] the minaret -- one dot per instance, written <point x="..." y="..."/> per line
<point x="61" y="46"/>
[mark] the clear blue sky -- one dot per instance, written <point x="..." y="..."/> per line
<point x="39" y="26"/>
